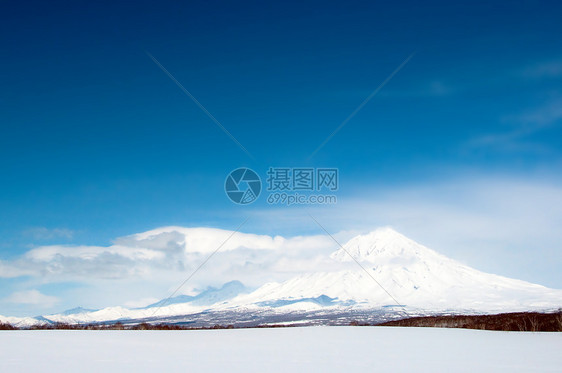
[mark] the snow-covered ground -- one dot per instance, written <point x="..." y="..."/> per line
<point x="313" y="349"/>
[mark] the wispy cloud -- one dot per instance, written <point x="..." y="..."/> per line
<point x="523" y="125"/>
<point x="32" y="297"/>
<point x="541" y="116"/>
<point x="43" y="233"/>
<point x="435" y="88"/>
<point x="548" y="69"/>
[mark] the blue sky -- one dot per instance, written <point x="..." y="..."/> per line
<point x="98" y="143"/>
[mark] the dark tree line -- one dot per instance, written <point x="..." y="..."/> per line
<point x="520" y="321"/>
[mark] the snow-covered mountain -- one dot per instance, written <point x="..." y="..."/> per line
<point x="380" y="273"/>
<point x="393" y="269"/>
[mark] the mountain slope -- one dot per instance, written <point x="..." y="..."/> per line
<point x="206" y="298"/>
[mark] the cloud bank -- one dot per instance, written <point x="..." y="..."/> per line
<point x="165" y="249"/>
<point x="32" y="297"/>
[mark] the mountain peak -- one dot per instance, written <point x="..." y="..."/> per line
<point x="207" y="297"/>
<point x="382" y="243"/>
<point x="77" y="310"/>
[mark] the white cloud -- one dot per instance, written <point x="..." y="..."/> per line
<point x="32" y="297"/>
<point x="200" y="240"/>
<point x="160" y="253"/>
